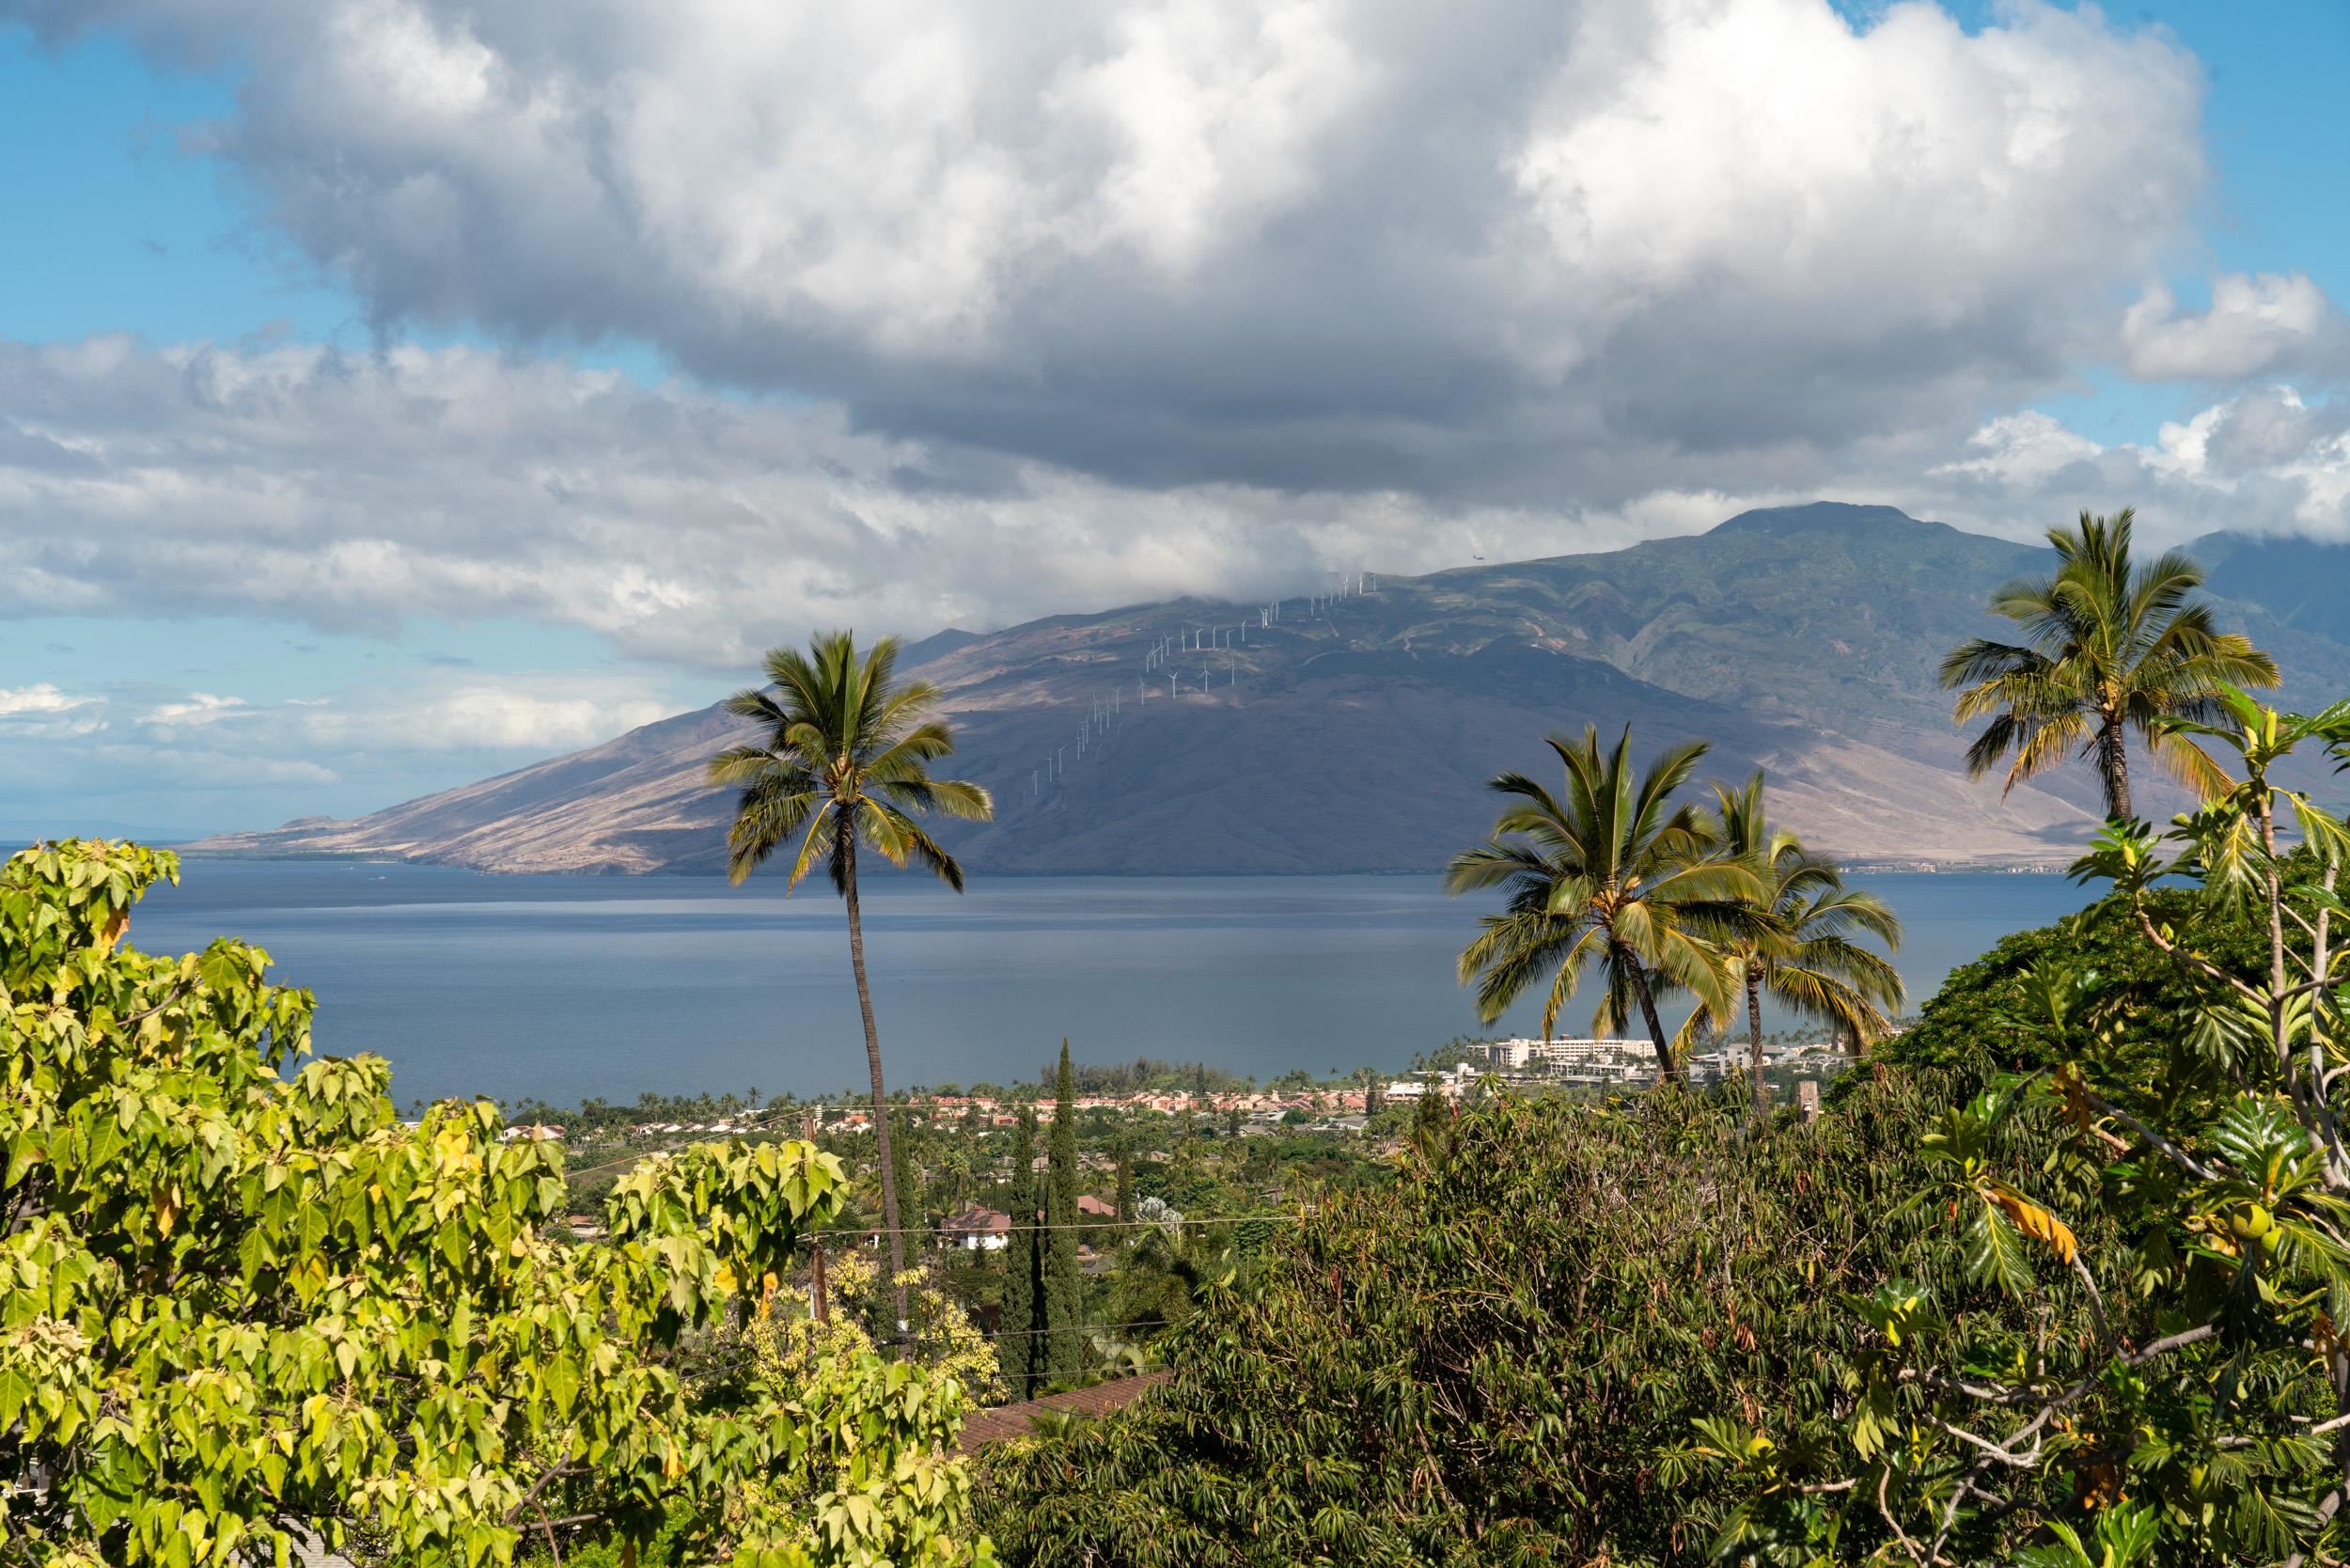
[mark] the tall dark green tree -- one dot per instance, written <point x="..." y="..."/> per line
<point x="909" y="1169"/>
<point x="1125" y="1184"/>
<point x="1017" y="1335"/>
<point x="842" y="758"/>
<point x="2110" y="646"/>
<point x="1064" y="1286"/>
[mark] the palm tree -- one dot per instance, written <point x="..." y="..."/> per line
<point x="845" y="759"/>
<point x="1800" y="948"/>
<point x="1610" y="873"/>
<point x="2108" y="648"/>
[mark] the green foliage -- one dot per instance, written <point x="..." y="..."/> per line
<point x="2181" y="1391"/>
<point x="2081" y="1313"/>
<point x="242" y="1303"/>
<point x="1148" y="1074"/>
<point x="2091" y="981"/>
<point x="1499" y="1358"/>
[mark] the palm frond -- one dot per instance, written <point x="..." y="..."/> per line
<point x="843" y="740"/>
<point x="900" y="839"/>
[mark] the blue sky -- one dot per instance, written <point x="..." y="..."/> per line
<point x="558" y="439"/>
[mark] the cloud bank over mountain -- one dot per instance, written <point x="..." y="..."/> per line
<point x="341" y="490"/>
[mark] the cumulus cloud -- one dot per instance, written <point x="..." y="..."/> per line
<point x="2264" y="461"/>
<point x="1348" y="246"/>
<point x="41" y="698"/>
<point x="42" y="711"/>
<point x="2255" y="326"/>
<point x="2021" y="449"/>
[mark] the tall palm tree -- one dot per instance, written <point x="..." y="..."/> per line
<point x="844" y="761"/>
<point x="1802" y="948"/>
<point x="1609" y="872"/>
<point x="2109" y="646"/>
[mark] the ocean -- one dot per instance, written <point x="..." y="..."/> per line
<point x="570" y="987"/>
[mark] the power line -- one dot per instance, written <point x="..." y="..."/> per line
<point x="1299" y="1218"/>
<point x="1071" y="1328"/>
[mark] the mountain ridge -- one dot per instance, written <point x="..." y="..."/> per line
<point x="1802" y="640"/>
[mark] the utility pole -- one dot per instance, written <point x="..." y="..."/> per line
<point x="817" y="1305"/>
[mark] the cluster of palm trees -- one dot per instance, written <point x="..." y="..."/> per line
<point x="1715" y="905"/>
<point x="1668" y="899"/>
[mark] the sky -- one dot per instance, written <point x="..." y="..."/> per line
<point x="395" y="392"/>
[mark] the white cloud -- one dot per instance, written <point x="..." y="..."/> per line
<point x="479" y="717"/>
<point x="1327" y="246"/>
<point x="195" y="711"/>
<point x="2261" y="461"/>
<point x="44" y="712"/>
<point x="39" y="698"/>
<point x="532" y="715"/>
<point x="2255" y="326"/>
<point x="2027" y="448"/>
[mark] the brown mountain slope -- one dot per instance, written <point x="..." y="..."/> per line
<point x="1357" y="736"/>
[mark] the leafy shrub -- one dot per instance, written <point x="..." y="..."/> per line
<point x="242" y="1304"/>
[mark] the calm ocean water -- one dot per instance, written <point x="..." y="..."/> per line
<point x="566" y="987"/>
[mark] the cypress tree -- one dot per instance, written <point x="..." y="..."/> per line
<point x="909" y="1171"/>
<point x="1064" y="1287"/>
<point x="1126" y="1184"/>
<point x="1016" y="1328"/>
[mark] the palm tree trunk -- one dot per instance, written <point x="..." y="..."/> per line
<point x="2113" y="765"/>
<point x="1666" y="1068"/>
<point x="881" y="1097"/>
<point x="1754" y="1040"/>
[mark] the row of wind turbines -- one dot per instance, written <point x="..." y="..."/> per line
<point x="1105" y="714"/>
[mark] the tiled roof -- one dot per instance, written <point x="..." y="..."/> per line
<point x="1007" y="1421"/>
<point x="978" y="1220"/>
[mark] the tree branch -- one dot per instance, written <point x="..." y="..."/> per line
<point x="2170" y="1151"/>
<point x="2200" y="965"/>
